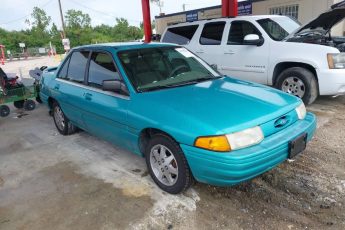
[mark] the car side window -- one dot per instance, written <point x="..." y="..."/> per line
<point x="240" y="29"/>
<point x="101" y="68"/>
<point x="77" y="66"/>
<point x="212" y="33"/>
<point x="63" y="72"/>
<point x="180" y="35"/>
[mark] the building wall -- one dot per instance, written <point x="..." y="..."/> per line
<point x="307" y="10"/>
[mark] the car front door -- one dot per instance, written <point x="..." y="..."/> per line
<point x="104" y="112"/>
<point x="246" y="62"/>
<point x="67" y="89"/>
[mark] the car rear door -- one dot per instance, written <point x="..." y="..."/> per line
<point x="104" y="112"/>
<point x="246" y="62"/>
<point x="208" y="45"/>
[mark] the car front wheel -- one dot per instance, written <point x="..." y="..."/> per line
<point x="167" y="164"/>
<point x="299" y="82"/>
<point x="63" y="125"/>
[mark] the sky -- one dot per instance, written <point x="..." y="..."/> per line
<point x="14" y="12"/>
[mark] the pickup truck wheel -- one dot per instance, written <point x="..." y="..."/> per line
<point x="167" y="164"/>
<point x="299" y="82"/>
<point x="63" y="125"/>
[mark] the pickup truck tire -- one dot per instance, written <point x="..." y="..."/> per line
<point x="299" y="82"/>
<point x="63" y="125"/>
<point x="167" y="164"/>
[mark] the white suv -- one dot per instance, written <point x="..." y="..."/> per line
<point x="273" y="50"/>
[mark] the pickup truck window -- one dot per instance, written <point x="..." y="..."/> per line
<point x="180" y="35"/>
<point x="240" y="29"/>
<point x="278" y="28"/>
<point x="212" y="33"/>
<point x="101" y="68"/>
<point x="77" y="66"/>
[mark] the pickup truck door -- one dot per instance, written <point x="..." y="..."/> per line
<point x="246" y="62"/>
<point x="103" y="112"/>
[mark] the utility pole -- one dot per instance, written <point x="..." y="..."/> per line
<point x="62" y="21"/>
<point x="184" y="7"/>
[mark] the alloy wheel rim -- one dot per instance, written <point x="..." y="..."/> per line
<point x="164" y="165"/>
<point x="59" y="118"/>
<point x="294" y="85"/>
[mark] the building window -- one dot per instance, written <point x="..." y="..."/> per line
<point x="291" y="11"/>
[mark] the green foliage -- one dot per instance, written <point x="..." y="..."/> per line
<point x="78" y="30"/>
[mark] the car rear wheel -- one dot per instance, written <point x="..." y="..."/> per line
<point x="63" y="125"/>
<point x="167" y="164"/>
<point x="4" y="110"/>
<point x="299" y="82"/>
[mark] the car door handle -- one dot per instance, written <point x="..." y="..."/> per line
<point x="88" y="96"/>
<point x="199" y="51"/>
<point x="57" y="87"/>
<point x="229" y="52"/>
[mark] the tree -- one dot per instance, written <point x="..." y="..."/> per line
<point x="40" y="20"/>
<point x="76" y="19"/>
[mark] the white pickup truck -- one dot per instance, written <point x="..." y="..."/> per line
<point x="273" y="50"/>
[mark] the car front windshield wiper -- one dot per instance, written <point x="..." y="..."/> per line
<point x="183" y="83"/>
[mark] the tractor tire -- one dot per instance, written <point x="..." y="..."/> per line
<point x="29" y="105"/>
<point x="4" y="111"/>
<point x="19" y="104"/>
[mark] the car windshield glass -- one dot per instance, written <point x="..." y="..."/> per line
<point x="278" y="28"/>
<point x="164" y="67"/>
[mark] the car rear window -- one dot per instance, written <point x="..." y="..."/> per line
<point x="180" y="35"/>
<point x="212" y="33"/>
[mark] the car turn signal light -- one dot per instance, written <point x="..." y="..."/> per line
<point x="213" y="143"/>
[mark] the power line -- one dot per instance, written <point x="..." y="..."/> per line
<point x="101" y="12"/>
<point x="23" y="17"/>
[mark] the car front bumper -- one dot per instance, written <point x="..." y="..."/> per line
<point x="331" y="81"/>
<point x="224" y="169"/>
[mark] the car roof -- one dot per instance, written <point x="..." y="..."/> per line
<point x="250" y="17"/>
<point x="124" y="45"/>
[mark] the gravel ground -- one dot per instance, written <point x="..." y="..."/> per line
<point x="48" y="181"/>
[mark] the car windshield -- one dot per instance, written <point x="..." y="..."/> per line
<point x="278" y="28"/>
<point x="164" y="67"/>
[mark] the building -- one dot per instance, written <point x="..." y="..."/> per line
<point x="302" y="10"/>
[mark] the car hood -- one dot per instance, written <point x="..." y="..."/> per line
<point x="215" y="107"/>
<point x="324" y="22"/>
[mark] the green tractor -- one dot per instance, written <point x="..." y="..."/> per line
<point x="12" y="91"/>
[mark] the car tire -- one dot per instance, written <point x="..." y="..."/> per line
<point x="299" y="82"/>
<point x="19" y="104"/>
<point x="167" y="164"/>
<point x="62" y="123"/>
<point x="4" y="110"/>
<point x="29" y="105"/>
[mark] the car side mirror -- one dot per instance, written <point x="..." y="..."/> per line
<point x="116" y="86"/>
<point x="253" y="39"/>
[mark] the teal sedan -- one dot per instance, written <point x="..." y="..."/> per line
<point x="164" y="103"/>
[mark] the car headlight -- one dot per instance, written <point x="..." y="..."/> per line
<point x="301" y="111"/>
<point x="336" y="61"/>
<point x="233" y="141"/>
